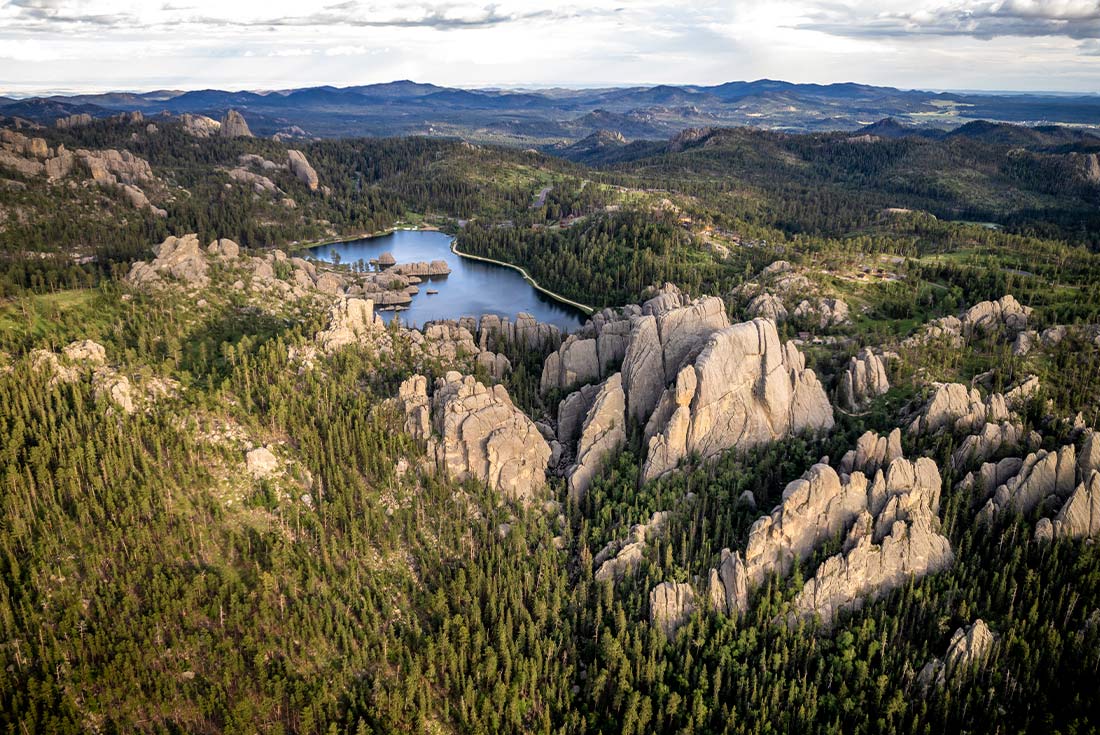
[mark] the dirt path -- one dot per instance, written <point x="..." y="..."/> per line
<point x="540" y="198"/>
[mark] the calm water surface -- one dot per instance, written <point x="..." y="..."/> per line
<point x="473" y="288"/>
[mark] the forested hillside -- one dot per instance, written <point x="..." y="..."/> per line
<point x="824" y="460"/>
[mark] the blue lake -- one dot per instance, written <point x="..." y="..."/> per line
<point x="473" y="287"/>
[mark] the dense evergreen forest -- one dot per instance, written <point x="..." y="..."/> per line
<point x="150" y="584"/>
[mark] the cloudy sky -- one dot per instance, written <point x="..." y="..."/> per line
<point x="97" y="45"/>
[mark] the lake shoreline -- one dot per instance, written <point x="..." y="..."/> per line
<point x="301" y="246"/>
<point x="489" y="296"/>
<point x="588" y="310"/>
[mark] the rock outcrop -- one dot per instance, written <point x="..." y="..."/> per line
<point x="671" y="604"/>
<point x="69" y="122"/>
<point x="422" y="269"/>
<point x="872" y="453"/>
<point x="1041" y="474"/>
<point x="643" y="368"/>
<point x="684" y="330"/>
<point x="743" y="389"/>
<point x="82" y="358"/>
<point x="233" y="125"/>
<point x="226" y="249"/>
<point x="299" y="166"/>
<point x="822" y="504"/>
<point x="179" y="257"/>
<point x="1005" y="314"/>
<point x="664" y="299"/>
<point x="259" y="183"/>
<point x="728" y="585"/>
<point x="968" y="650"/>
<point x="863" y="380"/>
<point x="1080" y="516"/>
<point x="621" y="558"/>
<point x="572" y="412"/>
<point x="767" y="306"/>
<point x="604" y="432"/>
<point x="477" y="433"/>
<point x="199" y="126"/>
<point x="868" y="569"/>
<point x="889" y="516"/>
<point x="987" y="442"/>
<point x="956" y="408"/>
<point x="110" y="168"/>
<point x="351" y="321"/>
<point x="823" y="312"/>
<point x="525" y="331"/>
<point x="575" y="362"/>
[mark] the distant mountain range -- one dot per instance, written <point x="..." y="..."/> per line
<point x="564" y="116"/>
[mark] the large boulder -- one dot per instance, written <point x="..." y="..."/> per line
<point x="747" y="389"/>
<point x="261" y="463"/>
<point x="604" y="433"/>
<point x="299" y="166"/>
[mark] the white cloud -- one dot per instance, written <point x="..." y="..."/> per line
<point x="281" y="43"/>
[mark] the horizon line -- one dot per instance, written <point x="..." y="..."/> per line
<point x="46" y="92"/>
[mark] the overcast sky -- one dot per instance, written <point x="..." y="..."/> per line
<point x="98" y="45"/>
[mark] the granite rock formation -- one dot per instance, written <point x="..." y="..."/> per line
<point x="351" y="321"/>
<point x="299" y="166"/>
<point x="744" y="388"/>
<point x="863" y="380"/>
<point x="178" y="257"/>
<point x="767" y="306"/>
<point x="233" y="125"/>
<point x="621" y="557"/>
<point x="477" y="433"/>
<point x="671" y="604"/>
<point x="603" y="433"/>
<point x="968" y="650"/>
